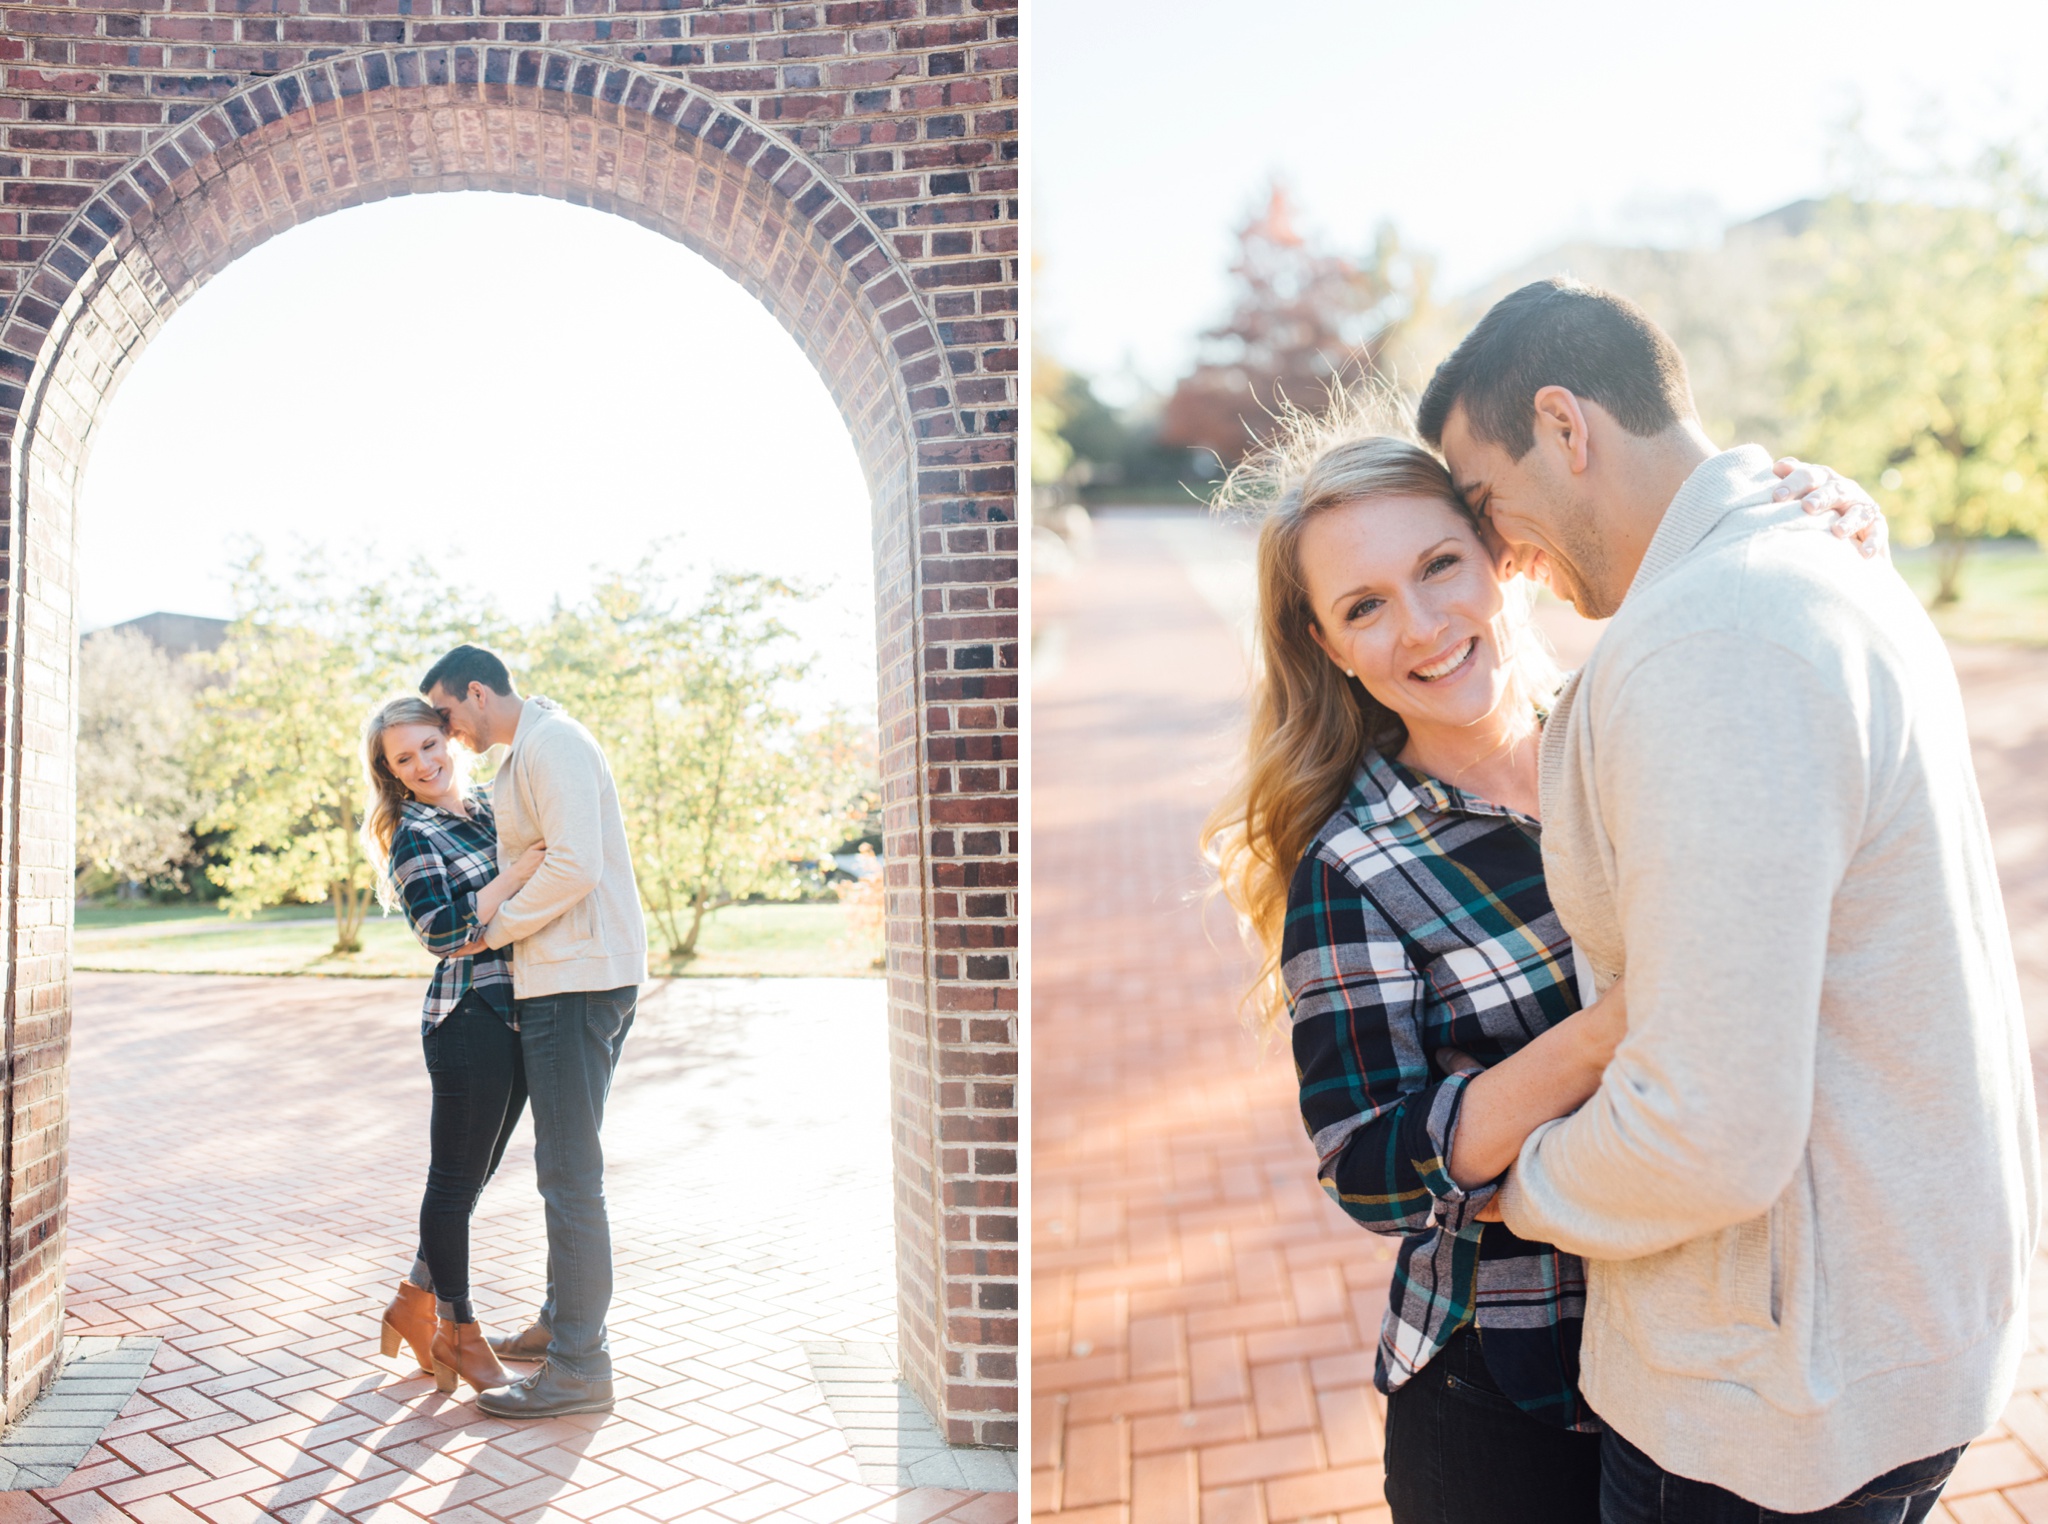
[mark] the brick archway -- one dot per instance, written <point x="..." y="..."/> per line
<point x="902" y="299"/>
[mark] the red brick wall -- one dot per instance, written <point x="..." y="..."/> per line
<point x="853" y="165"/>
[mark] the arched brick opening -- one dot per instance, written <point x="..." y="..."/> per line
<point x="701" y="167"/>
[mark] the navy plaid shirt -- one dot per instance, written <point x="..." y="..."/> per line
<point x="438" y="862"/>
<point x="1417" y="921"/>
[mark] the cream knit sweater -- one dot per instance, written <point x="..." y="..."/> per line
<point x="1807" y="1186"/>
<point x="577" y="924"/>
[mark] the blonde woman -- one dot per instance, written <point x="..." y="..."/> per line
<point x="1382" y="851"/>
<point x="437" y="847"/>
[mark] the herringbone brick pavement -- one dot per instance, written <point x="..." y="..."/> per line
<point x="1203" y="1320"/>
<point x="247" y="1156"/>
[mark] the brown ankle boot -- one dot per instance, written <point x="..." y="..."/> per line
<point x="410" y="1319"/>
<point x="460" y="1351"/>
<point x="529" y="1345"/>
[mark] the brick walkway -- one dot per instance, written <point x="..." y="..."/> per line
<point x="1203" y="1319"/>
<point x="247" y="1155"/>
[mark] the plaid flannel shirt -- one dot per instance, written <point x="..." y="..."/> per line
<point x="438" y="862"/>
<point x="1419" y="920"/>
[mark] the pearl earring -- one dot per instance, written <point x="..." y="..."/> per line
<point x="1349" y="673"/>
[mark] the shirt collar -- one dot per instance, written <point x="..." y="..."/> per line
<point x="1385" y="791"/>
<point x="419" y="813"/>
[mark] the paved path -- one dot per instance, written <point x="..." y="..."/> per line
<point x="247" y="1159"/>
<point x="1203" y="1320"/>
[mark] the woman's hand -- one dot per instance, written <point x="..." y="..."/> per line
<point x="509" y="882"/>
<point x="1821" y="490"/>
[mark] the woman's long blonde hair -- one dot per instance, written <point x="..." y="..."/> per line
<point x="1310" y="725"/>
<point x="387" y="795"/>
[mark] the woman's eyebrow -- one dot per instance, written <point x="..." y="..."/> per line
<point x="1345" y="597"/>
<point x="1348" y="594"/>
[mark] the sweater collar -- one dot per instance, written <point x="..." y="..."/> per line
<point x="533" y="713"/>
<point x="1717" y="485"/>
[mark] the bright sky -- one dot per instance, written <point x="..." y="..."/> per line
<point x="1486" y="130"/>
<point x="519" y="389"/>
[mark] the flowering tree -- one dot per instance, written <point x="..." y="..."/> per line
<point x="1304" y="320"/>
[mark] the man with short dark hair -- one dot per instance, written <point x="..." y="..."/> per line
<point x="579" y="953"/>
<point x="1559" y="336"/>
<point x="1758" y="801"/>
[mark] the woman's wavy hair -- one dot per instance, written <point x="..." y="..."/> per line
<point x="1311" y="726"/>
<point x="387" y="795"/>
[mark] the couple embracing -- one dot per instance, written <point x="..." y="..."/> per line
<point x="1665" y="1015"/>
<point x="528" y="899"/>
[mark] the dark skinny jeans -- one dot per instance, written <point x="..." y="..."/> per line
<point x="1461" y="1452"/>
<point x="1635" y="1490"/>
<point x="479" y="1080"/>
<point x="572" y="1043"/>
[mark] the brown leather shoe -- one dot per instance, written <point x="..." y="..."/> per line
<point x="460" y="1350"/>
<point x="530" y="1345"/>
<point x="410" y="1320"/>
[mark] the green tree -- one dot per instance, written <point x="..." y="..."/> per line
<point x="1915" y="362"/>
<point x="136" y="800"/>
<point x="726" y="795"/>
<point x="278" y="742"/>
<point x="278" y="749"/>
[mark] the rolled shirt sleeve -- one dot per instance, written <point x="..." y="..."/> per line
<point x="1382" y="1123"/>
<point x="441" y="917"/>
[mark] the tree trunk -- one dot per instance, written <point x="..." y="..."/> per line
<point x="1949" y="550"/>
<point x="700" y="901"/>
<point x="348" y="919"/>
<point x="687" y="948"/>
<point x="349" y="901"/>
<point x="665" y="919"/>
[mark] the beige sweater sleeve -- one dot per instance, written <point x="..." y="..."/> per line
<point x="561" y="779"/>
<point x="1732" y="783"/>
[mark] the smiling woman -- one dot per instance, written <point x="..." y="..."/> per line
<point x="1381" y="853"/>
<point x="1371" y="573"/>
<point x="1406" y="599"/>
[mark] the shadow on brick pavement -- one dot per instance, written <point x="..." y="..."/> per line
<point x="1203" y="1321"/>
<point x="247" y="1157"/>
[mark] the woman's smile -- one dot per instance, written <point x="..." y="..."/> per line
<point x="417" y="755"/>
<point x="1458" y="659"/>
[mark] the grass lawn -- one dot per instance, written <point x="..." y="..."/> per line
<point x="741" y="940"/>
<point x="2004" y="594"/>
